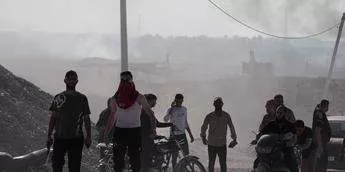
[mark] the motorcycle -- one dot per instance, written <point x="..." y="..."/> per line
<point x="270" y="153"/>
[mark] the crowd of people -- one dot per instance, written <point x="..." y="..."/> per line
<point x="312" y="141"/>
<point x="129" y="122"/>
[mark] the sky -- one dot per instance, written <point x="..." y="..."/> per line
<point x="169" y="17"/>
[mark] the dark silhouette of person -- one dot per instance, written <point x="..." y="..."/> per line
<point x="70" y="109"/>
<point x="126" y="107"/>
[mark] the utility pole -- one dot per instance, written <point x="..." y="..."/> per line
<point x="124" y="44"/>
<point x="330" y="72"/>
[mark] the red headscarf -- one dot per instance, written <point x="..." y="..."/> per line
<point x="126" y="94"/>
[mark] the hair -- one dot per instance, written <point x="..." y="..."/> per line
<point x="324" y="103"/>
<point x="299" y="123"/>
<point x="278" y="96"/>
<point x="271" y="103"/>
<point x="124" y="73"/>
<point x="109" y="102"/>
<point x="150" y="96"/>
<point x="178" y="96"/>
<point x="218" y="99"/>
<point x="71" y="73"/>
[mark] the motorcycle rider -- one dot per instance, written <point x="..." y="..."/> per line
<point x="287" y="129"/>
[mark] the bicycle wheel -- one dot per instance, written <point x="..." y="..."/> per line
<point x="107" y="165"/>
<point x="191" y="165"/>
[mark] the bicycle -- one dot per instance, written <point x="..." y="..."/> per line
<point x="163" y="149"/>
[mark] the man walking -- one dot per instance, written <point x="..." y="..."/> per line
<point x="322" y="135"/>
<point x="217" y="122"/>
<point x="70" y="109"/>
<point x="177" y="114"/>
<point x="146" y="131"/>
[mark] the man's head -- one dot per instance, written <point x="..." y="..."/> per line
<point x="218" y="103"/>
<point x="281" y="112"/>
<point x="71" y="79"/>
<point x="279" y="99"/>
<point x="299" y="124"/>
<point x="270" y="107"/>
<point x="178" y="100"/>
<point x="324" y="105"/>
<point x="151" y="99"/>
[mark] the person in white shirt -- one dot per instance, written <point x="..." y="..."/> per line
<point x="177" y="114"/>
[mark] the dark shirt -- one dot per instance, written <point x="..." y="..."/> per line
<point x="320" y="120"/>
<point x="71" y="108"/>
<point x="101" y="125"/>
<point x="146" y="127"/>
<point x="266" y="120"/>
<point x="279" y="127"/>
<point x="305" y="142"/>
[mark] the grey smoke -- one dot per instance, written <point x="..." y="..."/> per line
<point x="303" y="16"/>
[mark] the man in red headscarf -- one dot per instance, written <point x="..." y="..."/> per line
<point x="126" y="107"/>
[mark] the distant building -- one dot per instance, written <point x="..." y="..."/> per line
<point x="254" y="68"/>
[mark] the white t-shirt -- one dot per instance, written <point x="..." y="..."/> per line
<point x="177" y="116"/>
<point x="129" y="118"/>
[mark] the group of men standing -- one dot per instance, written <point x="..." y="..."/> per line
<point x="130" y="124"/>
<point x="312" y="141"/>
<point x="176" y="119"/>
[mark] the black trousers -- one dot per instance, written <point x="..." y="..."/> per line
<point x="213" y="151"/>
<point x="181" y="138"/>
<point x="291" y="159"/>
<point x="322" y="162"/>
<point x="73" y="148"/>
<point x="146" y="153"/>
<point x="127" y="140"/>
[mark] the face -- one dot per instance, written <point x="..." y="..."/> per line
<point x="152" y="102"/>
<point x="71" y="81"/>
<point x="279" y="101"/>
<point x="300" y="130"/>
<point x="325" y="108"/>
<point x="218" y="104"/>
<point x="270" y="109"/>
<point x="178" y="102"/>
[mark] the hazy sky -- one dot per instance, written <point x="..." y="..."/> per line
<point x="168" y="17"/>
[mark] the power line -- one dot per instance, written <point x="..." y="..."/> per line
<point x="269" y="34"/>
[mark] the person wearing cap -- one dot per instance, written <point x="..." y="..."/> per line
<point x="217" y="122"/>
<point x="177" y="114"/>
<point x="126" y="107"/>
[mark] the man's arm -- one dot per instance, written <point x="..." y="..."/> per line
<point x="87" y="126"/>
<point x="318" y="121"/>
<point x="264" y="122"/>
<point x="163" y="124"/>
<point x="204" y="127"/>
<point x="87" y="122"/>
<point x="50" y="130"/>
<point x="188" y="130"/>
<point x="232" y="128"/>
<point x="168" y="115"/>
<point x="111" y="118"/>
<point x="51" y="124"/>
